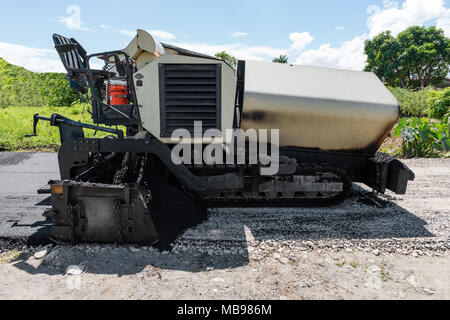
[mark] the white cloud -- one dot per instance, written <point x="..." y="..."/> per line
<point x="73" y="21"/>
<point x="162" y="35"/>
<point x="246" y="52"/>
<point x="300" y="40"/>
<point x="34" y="59"/>
<point x="238" y="34"/>
<point x="444" y="22"/>
<point x="128" y="33"/>
<point x="158" y="34"/>
<point x="390" y="4"/>
<point x="239" y="50"/>
<point x="397" y="18"/>
<point x="392" y="16"/>
<point x="348" y="56"/>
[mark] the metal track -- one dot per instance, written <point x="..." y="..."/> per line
<point x="226" y="198"/>
<point x="238" y="201"/>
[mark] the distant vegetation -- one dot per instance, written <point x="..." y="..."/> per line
<point x="415" y="103"/>
<point x="439" y="104"/>
<point x="24" y="93"/>
<point x="16" y="122"/>
<point x="228" y="58"/>
<point x="416" y="58"/>
<point x="423" y="138"/>
<point x="281" y="59"/>
<point x="22" y="88"/>
<point x="232" y="61"/>
<point x="424" y="132"/>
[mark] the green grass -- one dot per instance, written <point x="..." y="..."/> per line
<point x="341" y="264"/>
<point x="16" y="122"/>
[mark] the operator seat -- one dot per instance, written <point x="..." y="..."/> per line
<point x="73" y="57"/>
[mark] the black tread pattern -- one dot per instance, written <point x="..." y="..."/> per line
<point x="299" y="202"/>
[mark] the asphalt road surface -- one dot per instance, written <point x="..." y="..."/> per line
<point x="21" y="174"/>
<point x="423" y="213"/>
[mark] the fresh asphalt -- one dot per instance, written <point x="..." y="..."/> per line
<point x="21" y="175"/>
<point x="420" y="214"/>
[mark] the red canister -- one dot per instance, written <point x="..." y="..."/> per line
<point x="117" y="91"/>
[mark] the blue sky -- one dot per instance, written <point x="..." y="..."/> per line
<point x="321" y="32"/>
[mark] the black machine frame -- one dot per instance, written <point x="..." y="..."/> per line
<point x="75" y="150"/>
<point x="103" y="113"/>
<point x="380" y="173"/>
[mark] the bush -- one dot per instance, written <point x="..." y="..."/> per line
<point x="439" y="104"/>
<point x="19" y="87"/>
<point x="423" y="139"/>
<point x="56" y="89"/>
<point x="413" y="103"/>
<point x="428" y="102"/>
<point x="446" y="117"/>
<point x="22" y="88"/>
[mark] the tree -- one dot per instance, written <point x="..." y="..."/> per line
<point x="417" y="57"/>
<point x="281" y="59"/>
<point x="232" y="61"/>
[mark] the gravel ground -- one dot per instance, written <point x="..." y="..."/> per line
<point x="355" y="250"/>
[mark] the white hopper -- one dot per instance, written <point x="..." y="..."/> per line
<point x="318" y="108"/>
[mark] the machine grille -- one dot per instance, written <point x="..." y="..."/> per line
<point x="189" y="93"/>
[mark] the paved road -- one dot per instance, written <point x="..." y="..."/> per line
<point x="423" y="213"/>
<point x="21" y="174"/>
